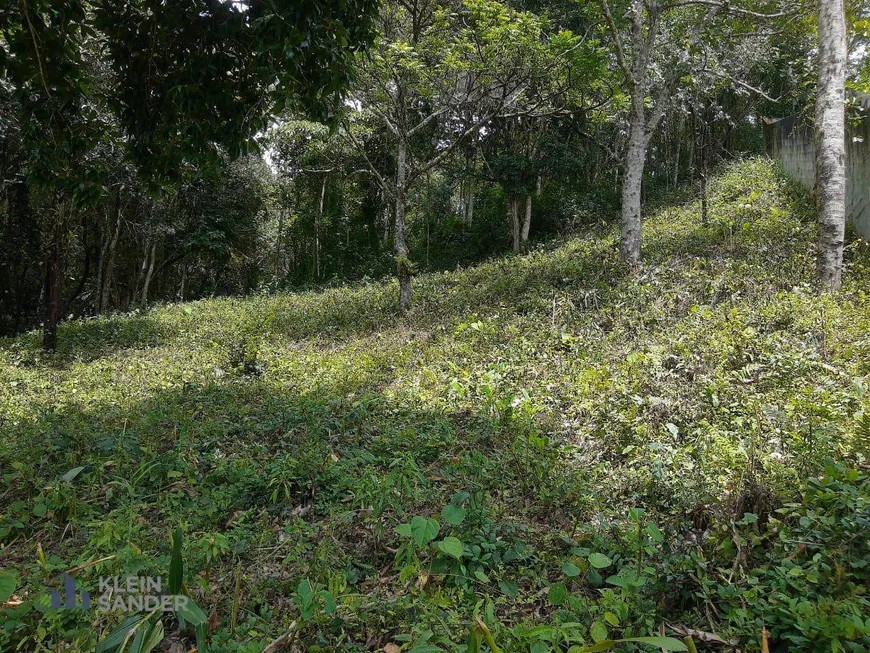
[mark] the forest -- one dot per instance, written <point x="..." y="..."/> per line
<point x="425" y="326"/>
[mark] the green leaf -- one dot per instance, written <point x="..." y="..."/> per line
<point x="304" y="588"/>
<point x="598" y="631"/>
<point x="557" y="593"/>
<point x="148" y="637"/>
<point x="509" y="587"/>
<point x="570" y="569"/>
<point x="8" y="583"/>
<point x="594" y="578"/>
<point x="618" y="581"/>
<point x="202" y="638"/>
<point x="404" y="530"/>
<point x="191" y="612"/>
<point x="654" y="533"/>
<point x="71" y="474"/>
<point x="667" y="643"/>
<point x="450" y="546"/>
<point x="599" y="560"/>
<point x="423" y="530"/>
<point x="474" y="640"/>
<point x="328" y="601"/>
<point x="540" y="632"/>
<point x="116" y="638"/>
<point x="604" y="645"/>
<point x="176" y="564"/>
<point x="453" y="515"/>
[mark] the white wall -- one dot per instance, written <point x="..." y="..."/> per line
<point x="792" y="145"/>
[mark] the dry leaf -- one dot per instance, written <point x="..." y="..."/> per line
<point x="701" y="636"/>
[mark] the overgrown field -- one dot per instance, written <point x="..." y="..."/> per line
<point x="567" y="450"/>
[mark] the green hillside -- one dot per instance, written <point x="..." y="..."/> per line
<point x="605" y="454"/>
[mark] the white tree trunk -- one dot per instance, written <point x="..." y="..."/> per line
<point x="527" y="223"/>
<point x="134" y="298"/>
<point x="830" y="143"/>
<point x="403" y="264"/>
<point x="635" y="160"/>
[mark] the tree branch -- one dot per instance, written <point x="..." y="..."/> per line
<point x="446" y="151"/>
<point x="425" y="121"/>
<point x="346" y="133"/>
<point x="617" y="42"/>
<point x="742" y="84"/>
<point x="727" y="7"/>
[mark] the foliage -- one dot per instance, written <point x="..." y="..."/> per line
<point x="569" y="453"/>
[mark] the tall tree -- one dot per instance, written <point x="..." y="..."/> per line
<point x="191" y="81"/>
<point x="656" y="44"/>
<point x="441" y="70"/>
<point x="830" y="143"/>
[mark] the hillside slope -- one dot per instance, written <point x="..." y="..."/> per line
<point x="608" y="450"/>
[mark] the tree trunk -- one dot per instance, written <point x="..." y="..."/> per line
<point x="403" y="264"/>
<point x="182" y="289"/>
<point x="140" y="278"/>
<point x="87" y="265"/>
<point x="280" y="262"/>
<point x="527" y="223"/>
<point x="830" y="143"/>
<point x="148" y="275"/>
<point x="98" y="299"/>
<point x="635" y="160"/>
<point x="705" y="218"/>
<point x="110" y="259"/>
<point x="514" y="215"/>
<point x="53" y="282"/>
<point x="317" y="222"/>
<point x="469" y="205"/>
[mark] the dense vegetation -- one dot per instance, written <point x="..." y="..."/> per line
<point x="546" y="441"/>
<point x="156" y="151"/>
<point x="426" y="325"/>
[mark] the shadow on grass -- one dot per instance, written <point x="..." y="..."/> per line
<point x="510" y="284"/>
<point x="772" y="226"/>
<point x="323" y="476"/>
<point x="92" y="338"/>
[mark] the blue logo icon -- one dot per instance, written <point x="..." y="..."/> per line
<point x="70" y="596"/>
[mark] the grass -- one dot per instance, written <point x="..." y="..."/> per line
<point x="666" y="420"/>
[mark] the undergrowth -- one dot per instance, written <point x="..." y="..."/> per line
<point x="566" y="450"/>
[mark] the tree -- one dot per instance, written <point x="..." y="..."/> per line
<point x="652" y="70"/>
<point x="439" y="73"/>
<point x="830" y="143"/>
<point x="42" y="57"/>
<point x="190" y="81"/>
<point x="316" y="166"/>
<point x="563" y="83"/>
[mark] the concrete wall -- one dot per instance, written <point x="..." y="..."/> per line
<point x="792" y="144"/>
